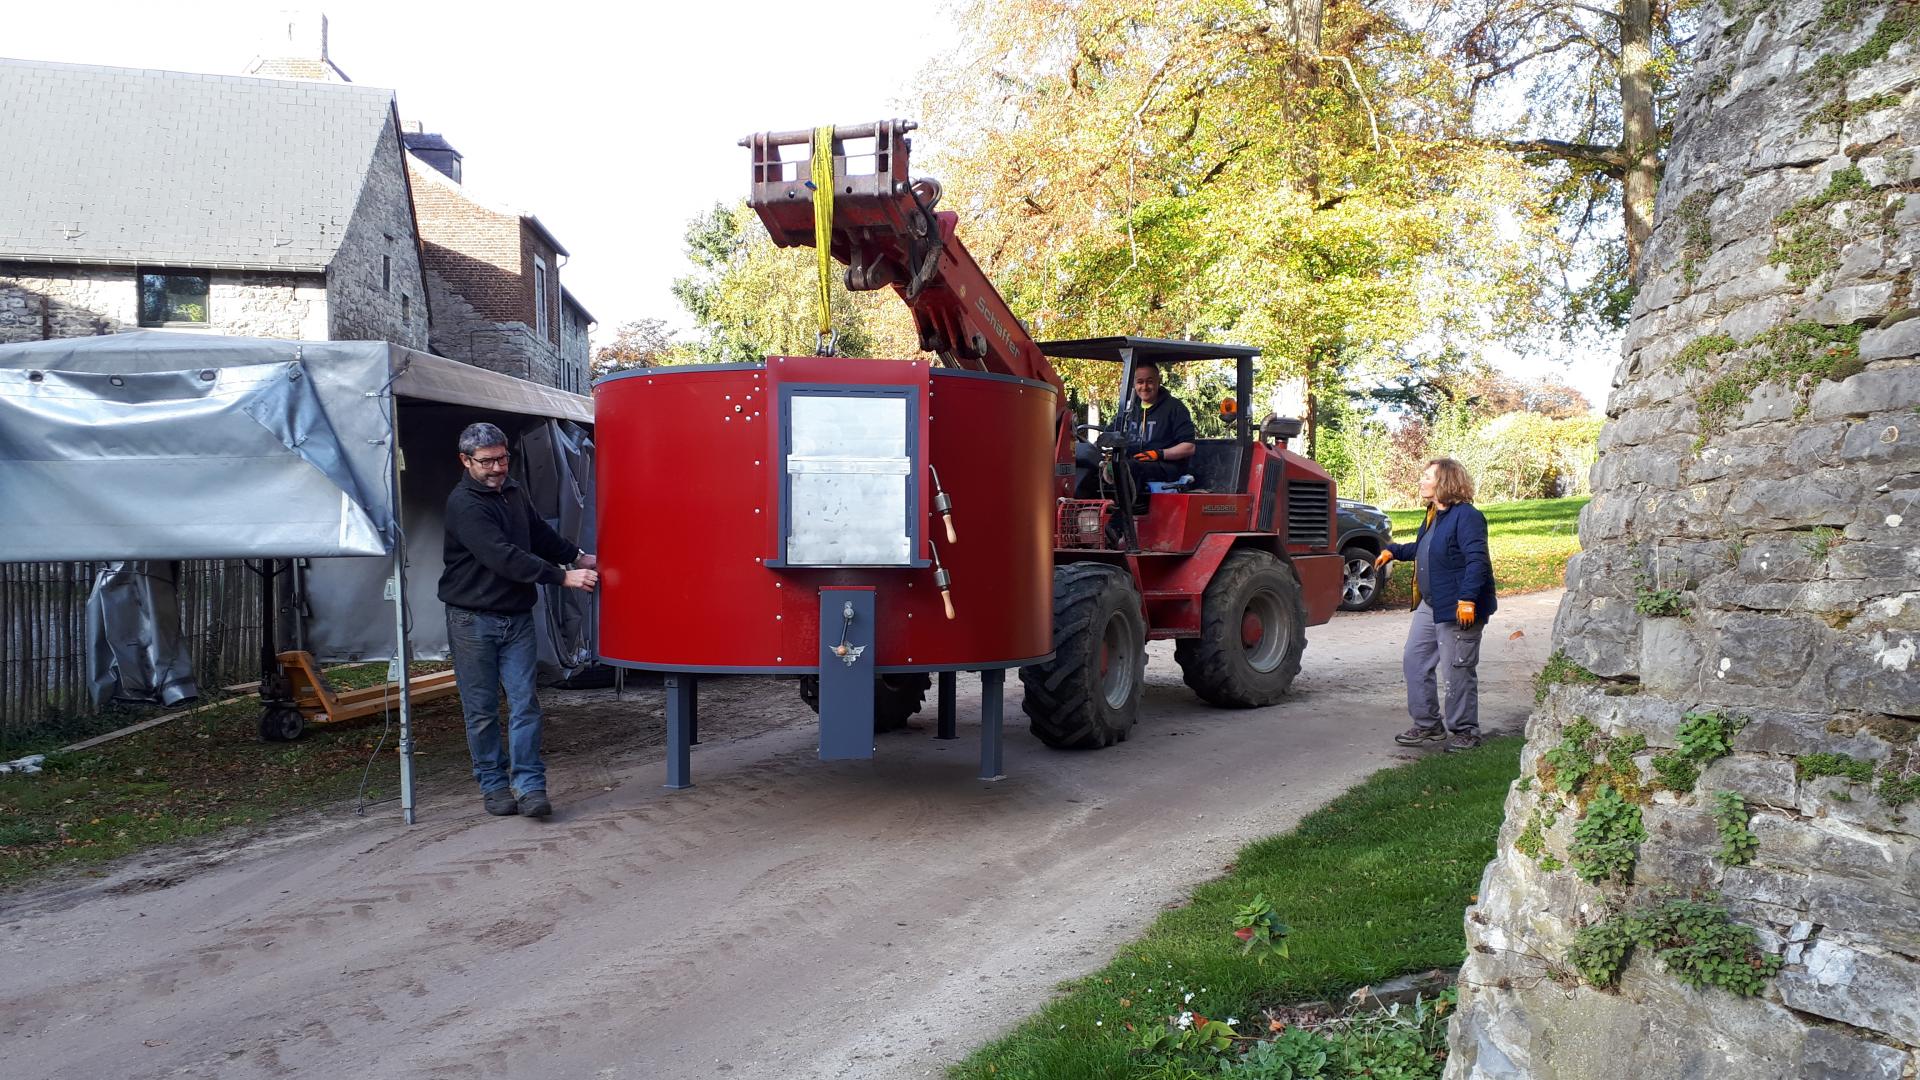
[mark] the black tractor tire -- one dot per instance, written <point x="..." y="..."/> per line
<point x="1363" y="584"/>
<point x="895" y="697"/>
<point x="1253" y="628"/>
<point x="1088" y="695"/>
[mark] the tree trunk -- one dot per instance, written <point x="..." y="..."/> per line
<point x="1639" y="135"/>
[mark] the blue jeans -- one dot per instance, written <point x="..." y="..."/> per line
<point x="492" y="652"/>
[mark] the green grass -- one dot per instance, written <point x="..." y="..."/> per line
<point x="197" y="775"/>
<point x="1373" y="884"/>
<point x="1531" y="542"/>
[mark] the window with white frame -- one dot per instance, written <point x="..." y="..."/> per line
<point x="540" y="297"/>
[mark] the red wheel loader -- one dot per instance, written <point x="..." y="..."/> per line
<point x="866" y="524"/>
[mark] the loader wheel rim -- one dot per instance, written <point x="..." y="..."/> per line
<point x="1116" y="666"/>
<point x="1261" y="634"/>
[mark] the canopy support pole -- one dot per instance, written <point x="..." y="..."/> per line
<point x="403" y="654"/>
<point x="402" y="643"/>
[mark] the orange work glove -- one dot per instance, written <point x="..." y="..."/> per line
<point x="1382" y="559"/>
<point x="1148" y="455"/>
<point x="1463" y="613"/>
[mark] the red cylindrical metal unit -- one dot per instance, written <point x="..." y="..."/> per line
<point x="693" y="488"/>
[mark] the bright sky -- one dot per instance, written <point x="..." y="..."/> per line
<point x="614" y="123"/>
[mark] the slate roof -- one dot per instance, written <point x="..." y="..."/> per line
<point x="126" y="165"/>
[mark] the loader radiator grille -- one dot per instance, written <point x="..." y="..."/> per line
<point x="1309" y="513"/>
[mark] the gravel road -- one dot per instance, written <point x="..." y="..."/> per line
<point x="784" y="918"/>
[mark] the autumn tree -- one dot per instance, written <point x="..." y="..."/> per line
<point x="639" y="343"/>
<point x="750" y="299"/>
<point x="1584" y="91"/>
<point x="1272" y="173"/>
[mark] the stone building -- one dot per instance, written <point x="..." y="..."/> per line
<point x="136" y="199"/>
<point x="494" y="277"/>
<point x="1710" y="867"/>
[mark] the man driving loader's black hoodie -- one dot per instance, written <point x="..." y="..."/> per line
<point x="498" y="549"/>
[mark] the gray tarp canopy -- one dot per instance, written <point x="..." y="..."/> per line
<point x="162" y="446"/>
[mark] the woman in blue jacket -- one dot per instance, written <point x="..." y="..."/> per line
<point x="1452" y="600"/>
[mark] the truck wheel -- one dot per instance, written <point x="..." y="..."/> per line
<point x="1253" y="628"/>
<point x="895" y="697"/>
<point x="1363" y="583"/>
<point x="1088" y="695"/>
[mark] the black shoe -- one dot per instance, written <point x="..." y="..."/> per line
<point x="1419" y="736"/>
<point x="535" y="804"/>
<point x="500" y="803"/>
<point x="1463" y="740"/>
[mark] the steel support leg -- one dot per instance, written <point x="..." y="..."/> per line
<point x="693" y="709"/>
<point x="992" y="683"/>
<point x="949" y="715"/>
<point x="679" y="731"/>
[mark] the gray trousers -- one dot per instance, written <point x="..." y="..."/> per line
<point x="1453" y="652"/>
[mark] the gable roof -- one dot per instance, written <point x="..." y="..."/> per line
<point x="128" y="165"/>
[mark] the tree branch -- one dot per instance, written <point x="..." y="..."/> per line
<point x="1602" y="12"/>
<point x="1612" y="159"/>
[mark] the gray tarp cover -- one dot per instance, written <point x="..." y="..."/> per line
<point x="166" y="446"/>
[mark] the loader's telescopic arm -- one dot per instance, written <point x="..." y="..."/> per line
<point x="887" y="232"/>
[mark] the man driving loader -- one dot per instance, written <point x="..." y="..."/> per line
<point x="1159" y="432"/>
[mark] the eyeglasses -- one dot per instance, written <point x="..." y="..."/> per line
<point x="499" y="462"/>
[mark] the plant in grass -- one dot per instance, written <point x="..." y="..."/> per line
<point x="1698" y="942"/>
<point x="1559" y="669"/>
<point x="1260" y="929"/>
<point x="1737" y="842"/>
<point x="1397" y="1043"/>
<point x="1185" y="1037"/>
<point x="1606" y="839"/>
<point x="1295" y="1054"/>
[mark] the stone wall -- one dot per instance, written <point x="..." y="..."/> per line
<point x="1750" y="574"/>
<point x="51" y="301"/>
<point x="376" y="282"/>
<point x="574" y="350"/>
<point x="480" y="276"/>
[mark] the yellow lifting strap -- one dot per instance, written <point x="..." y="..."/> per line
<point x="823" y="229"/>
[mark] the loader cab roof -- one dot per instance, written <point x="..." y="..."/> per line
<point x="1156" y="350"/>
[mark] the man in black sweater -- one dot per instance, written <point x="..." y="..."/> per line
<point x="497" y="551"/>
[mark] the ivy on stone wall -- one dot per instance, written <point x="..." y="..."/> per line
<point x="1606" y="840"/>
<point x="1812" y="245"/>
<point x="1737" y="842"/>
<point x="1698" y="942"/>
<point x="1704" y="737"/>
<point x="1799" y="355"/>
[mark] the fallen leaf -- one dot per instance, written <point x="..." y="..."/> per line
<point x="1516" y="635"/>
<point x="1126" y="1003"/>
<point x="1275" y="1025"/>
<point x="1245" y="933"/>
